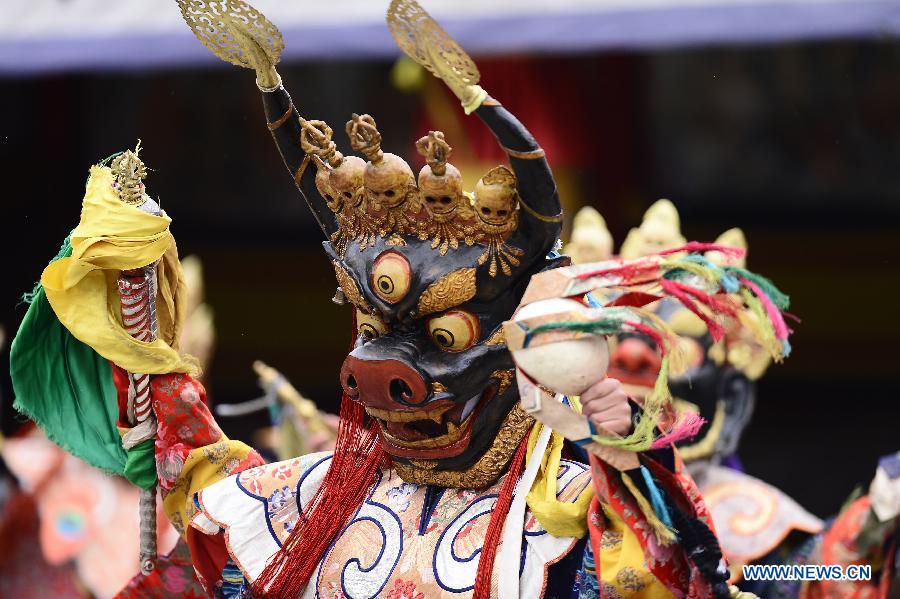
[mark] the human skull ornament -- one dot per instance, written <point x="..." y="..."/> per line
<point x="495" y="196"/>
<point x="441" y="194"/>
<point x="323" y="184"/>
<point x="440" y="183"/>
<point x="389" y="181"/>
<point x="346" y="179"/>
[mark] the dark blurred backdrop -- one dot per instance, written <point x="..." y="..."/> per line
<point x="798" y="144"/>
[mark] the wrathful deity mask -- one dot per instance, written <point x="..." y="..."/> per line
<point x="431" y="277"/>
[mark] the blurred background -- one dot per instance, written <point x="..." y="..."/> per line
<point x="780" y="117"/>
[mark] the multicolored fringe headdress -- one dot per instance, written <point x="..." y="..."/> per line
<point x="616" y="293"/>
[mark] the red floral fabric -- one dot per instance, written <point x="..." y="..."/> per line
<point x="184" y="422"/>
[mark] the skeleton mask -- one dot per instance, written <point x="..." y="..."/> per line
<point x="660" y="230"/>
<point x="591" y="240"/>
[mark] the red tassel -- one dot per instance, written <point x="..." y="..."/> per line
<point x="682" y="293"/>
<point x="358" y="454"/>
<point x="631" y="272"/>
<point x="482" y="588"/>
<point x="694" y="247"/>
<point x="658" y="339"/>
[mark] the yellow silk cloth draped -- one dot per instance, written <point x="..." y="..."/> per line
<point x="560" y="519"/>
<point x="82" y="290"/>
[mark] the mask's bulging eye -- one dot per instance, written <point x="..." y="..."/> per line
<point x="370" y="327"/>
<point x="391" y="277"/>
<point x="454" y="331"/>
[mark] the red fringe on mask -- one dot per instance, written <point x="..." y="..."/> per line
<point x="357" y="456"/>
<point x="482" y="588"/>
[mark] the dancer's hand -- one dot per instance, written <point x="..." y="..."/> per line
<point x="606" y="404"/>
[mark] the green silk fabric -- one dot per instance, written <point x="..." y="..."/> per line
<point x="67" y="389"/>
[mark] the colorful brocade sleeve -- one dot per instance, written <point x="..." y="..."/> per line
<point x="191" y="451"/>
<point x="633" y="526"/>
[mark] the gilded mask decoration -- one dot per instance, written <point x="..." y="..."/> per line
<point x="388" y="181"/>
<point x="449" y="217"/>
<point x="129" y="171"/>
<point x="339" y="180"/>
<point x="496" y="206"/>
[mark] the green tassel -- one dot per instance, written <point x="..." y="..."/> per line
<point x="778" y="297"/>
<point x="609" y="326"/>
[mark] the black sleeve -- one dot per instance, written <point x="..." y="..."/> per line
<point x="284" y="124"/>
<point x="537" y="188"/>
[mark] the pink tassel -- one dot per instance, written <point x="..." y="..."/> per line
<point x="716" y="304"/>
<point x="694" y="247"/>
<point x="687" y="426"/>
<point x="781" y="329"/>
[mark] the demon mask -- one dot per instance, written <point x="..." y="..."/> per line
<point x="431" y="289"/>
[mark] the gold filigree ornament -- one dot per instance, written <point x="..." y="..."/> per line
<point x="426" y="42"/>
<point x="338" y="179"/>
<point x="449" y="217"/>
<point x="237" y="33"/>
<point x="496" y="208"/>
<point x="391" y="195"/>
<point x="129" y="171"/>
<point x="448" y="292"/>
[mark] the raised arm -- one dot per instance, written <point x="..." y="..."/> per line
<point x="540" y="214"/>
<point x="424" y="41"/>
<point x="537" y="189"/>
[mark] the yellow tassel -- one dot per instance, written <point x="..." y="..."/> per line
<point x="664" y="534"/>
<point x="757" y="322"/>
<point x="709" y="275"/>
<point x="642" y="437"/>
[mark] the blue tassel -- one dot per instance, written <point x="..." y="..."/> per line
<point x="593" y="301"/>
<point x="656" y="499"/>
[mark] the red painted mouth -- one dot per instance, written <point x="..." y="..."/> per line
<point x="439" y="432"/>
